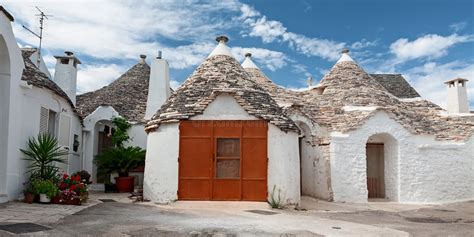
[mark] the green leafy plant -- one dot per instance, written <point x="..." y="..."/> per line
<point x="275" y="200"/>
<point x="43" y="153"/>
<point x="120" y="160"/>
<point x="45" y="187"/>
<point x="120" y="135"/>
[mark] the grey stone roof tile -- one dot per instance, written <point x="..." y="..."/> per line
<point x="216" y="75"/>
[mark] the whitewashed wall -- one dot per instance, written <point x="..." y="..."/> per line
<point x="315" y="165"/>
<point x="11" y="69"/>
<point x="105" y="114"/>
<point x="161" y="169"/>
<point x="426" y="171"/>
<point x="283" y="164"/>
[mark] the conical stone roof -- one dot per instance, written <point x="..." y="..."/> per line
<point x="127" y="95"/>
<point x="218" y="74"/>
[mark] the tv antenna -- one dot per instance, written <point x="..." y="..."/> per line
<point x="42" y="16"/>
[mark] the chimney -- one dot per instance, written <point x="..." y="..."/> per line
<point x="457" y="96"/>
<point x="142" y="58"/>
<point x="159" y="86"/>
<point x="65" y="74"/>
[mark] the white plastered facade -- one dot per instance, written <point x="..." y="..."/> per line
<point x="161" y="169"/>
<point x="20" y="106"/>
<point x="93" y="123"/>
<point x="418" y="168"/>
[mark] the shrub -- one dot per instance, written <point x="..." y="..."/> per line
<point x="45" y="187"/>
<point x="43" y="153"/>
<point x="120" y="160"/>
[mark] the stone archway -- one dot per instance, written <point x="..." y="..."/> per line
<point x="307" y="169"/>
<point x="5" y="80"/>
<point x="382" y="167"/>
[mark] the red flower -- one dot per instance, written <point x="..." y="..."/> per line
<point x="78" y="178"/>
<point x="73" y="187"/>
<point x="65" y="176"/>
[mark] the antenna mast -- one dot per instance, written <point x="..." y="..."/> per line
<point x="42" y="16"/>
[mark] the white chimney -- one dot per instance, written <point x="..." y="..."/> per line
<point x="65" y="74"/>
<point x="457" y="96"/>
<point x="159" y="86"/>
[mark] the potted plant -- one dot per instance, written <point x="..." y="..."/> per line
<point x="46" y="190"/>
<point x="29" y="193"/>
<point x="120" y="159"/>
<point x="43" y="153"/>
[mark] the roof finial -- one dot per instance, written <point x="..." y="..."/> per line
<point x="345" y="56"/>
<point x="309" y="81"/>
<point x="248" y="55"/>
<point x="222" y="39"/>
<point x="142" y="58"/>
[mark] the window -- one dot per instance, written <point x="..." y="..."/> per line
<point x="47" y="122"/>
<point x="75" y="144"/>
<point x="65" y="61"/>
<point x="228" y="158"/>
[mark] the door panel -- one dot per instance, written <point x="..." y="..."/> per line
<point x="223" y="160"/>
<point x="195" y="160"/>
<point x="375" y="170"/>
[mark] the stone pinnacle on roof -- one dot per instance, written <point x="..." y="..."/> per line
<point x="222" y="48"/>
<point x="142" y="58"/>
<point x="248" y="63"/>
<point x="345" y="56"/>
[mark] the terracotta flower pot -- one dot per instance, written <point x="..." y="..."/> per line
<point x="29" y="197"/>
<point x="125" y="184"/>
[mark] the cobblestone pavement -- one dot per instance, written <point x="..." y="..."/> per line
<point x="123" y="218"/>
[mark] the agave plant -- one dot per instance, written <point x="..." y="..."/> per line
<point x="43" y="153"/>
<point x="120" y="160"/>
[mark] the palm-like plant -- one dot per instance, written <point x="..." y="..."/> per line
<point x="43" y="153"/>
<point x="120" y="160"/>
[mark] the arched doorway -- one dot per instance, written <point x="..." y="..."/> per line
<point x="5" y="80"/>
<point x="102" y="141"/>
<point x="307" y="165"/>
<point x="382" y="167"/>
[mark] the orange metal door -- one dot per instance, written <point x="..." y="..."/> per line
<point x="195" y="160"/>
<point x="223" y="160"/>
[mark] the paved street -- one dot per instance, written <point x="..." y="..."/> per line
<point x="122" y="218"/>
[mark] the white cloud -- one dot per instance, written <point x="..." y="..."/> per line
<point x="270" y="30"/>
<point x="458" y="26"/>
<point x="300" y="68"/>
<point x="429" y="79"/>
<point x="93" y="77"/>
<point x="364" y="43"/>
<point x="269" y="59"/>
<point x="115" y="29"/>
<point x="428" y="46"/>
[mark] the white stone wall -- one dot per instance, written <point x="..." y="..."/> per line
<point x="283" y="164"/>
<point x="137" y="136"/>
<point x="161" y="169"/>
<point x="105" y="114"/>
<point x="418" y="169"/>
<point x="315" y="165"/>
<point x="11" y="69"/>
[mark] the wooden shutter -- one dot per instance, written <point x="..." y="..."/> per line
<point x="44" y="118"/>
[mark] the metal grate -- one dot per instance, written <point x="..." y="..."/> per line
<point x="20" y="228"/>
<point x="263" y="212"/>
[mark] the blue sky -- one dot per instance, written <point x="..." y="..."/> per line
<point x="427" y="41"/>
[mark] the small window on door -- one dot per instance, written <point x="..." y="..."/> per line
<point x="47" y="122"/>
<point x="228" y="158"/>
